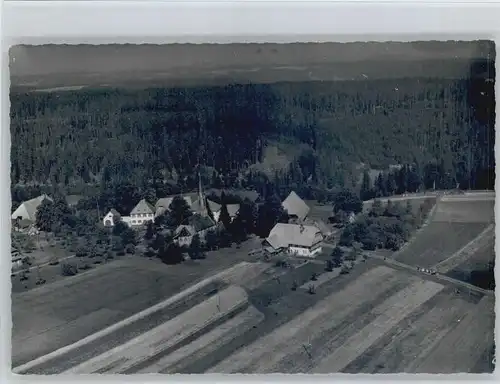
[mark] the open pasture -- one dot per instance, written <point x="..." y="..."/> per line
<point x="465" y="210"/>
<point x="381" y="321"/>
<point x="438" y="241"/>
<point x="374" y="319"/>
<point x="152" y="345"/>
<point x="477" y="269"/>
<point x="54" y="315"/>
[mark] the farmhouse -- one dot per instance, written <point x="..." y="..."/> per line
<point x="298" y="239"/>
<point x="28" y="209"/>
<point x="197" y="225"/>
<point x="296" y="207"/>
<point x="142" y="213"/>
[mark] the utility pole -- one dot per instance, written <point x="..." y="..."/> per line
<point x="307" y="350"/>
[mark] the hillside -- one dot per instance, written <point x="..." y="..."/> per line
<point x="320" y="119"/>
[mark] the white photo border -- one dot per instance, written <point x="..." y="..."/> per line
<point x="97" y="22"/>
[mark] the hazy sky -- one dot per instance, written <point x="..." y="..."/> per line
<point x="36" y="62"/>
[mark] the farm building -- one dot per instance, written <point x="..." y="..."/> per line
<point x="163" y="204"/>
<point x="197" y="225"/>
<point x="326" y="230"/>
<point x="215" y="209"/>
<point x="298" y="239"/>
<point x="28" y="209"/>
<point x="296" y="207"/>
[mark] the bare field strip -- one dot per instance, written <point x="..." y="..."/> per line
<point x="345" y="301"/>
<point x="268" y="275"/>
<point x="125" y="333"/>
<point x="166" y="335"/>
<point x="124" y="288"/>
<point x="468" y="251"/>
<point x="414" y="337"/>
<point x="461" y="348"/>
<point x="465" y="210"/>
<point x="244" y="272"/>
<point x="478" y="262"/>
<point x="391" y="312"/>
<point x="438" y="241"/>
<point x="206" y="344"/>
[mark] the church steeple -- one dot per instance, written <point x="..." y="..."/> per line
<point x="201" y="196"/>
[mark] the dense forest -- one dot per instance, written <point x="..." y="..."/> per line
<point x="326" y="133"/>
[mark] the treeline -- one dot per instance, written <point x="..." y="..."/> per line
<point x="408" y="179"/>
<point x="326" y="129"/>
<point x="386" y="227"/>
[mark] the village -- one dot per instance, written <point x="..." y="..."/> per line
<point x="296" y="233"/>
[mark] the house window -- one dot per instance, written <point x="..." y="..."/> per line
<point x="133" y="221"/>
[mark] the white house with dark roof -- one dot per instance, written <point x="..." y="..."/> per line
<point x="295" y="206"/>
<point x="296" y="239"/>
<point x="142" y="213"/>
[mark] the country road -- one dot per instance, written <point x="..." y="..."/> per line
<point x="41" y="265"/>
<point x="437" y="276"/>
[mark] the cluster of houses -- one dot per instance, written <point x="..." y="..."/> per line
<point x="302" y="235"/>
<point x="206" y="215"/>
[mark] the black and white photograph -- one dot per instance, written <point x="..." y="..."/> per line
<point x="253" y="208"/>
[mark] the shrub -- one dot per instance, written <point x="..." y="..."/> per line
<point x="81" y="252"/>
<point x="130" y="249"/>
<point x="314" y="276"/>
<point x="311" y="289"/>
<point x="68" y="269"/>
<point x="329" y="266"/>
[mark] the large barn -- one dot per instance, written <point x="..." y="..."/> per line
<point x="297" y="239"/>
<point x="28" y="209"/>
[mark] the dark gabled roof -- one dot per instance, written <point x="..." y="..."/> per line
<point x="200" y="223"/>
<point x="114" y="212"/>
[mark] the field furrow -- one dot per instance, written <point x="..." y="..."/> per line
<point x="346" y="300"/>
<point x="413" y="337"/>
<point x="460" y="349"/>
<point x="391" y="313"/>
<point x="165" y="335"/>
<point x="206" y="344"/>
<point x="468" y="251"/>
